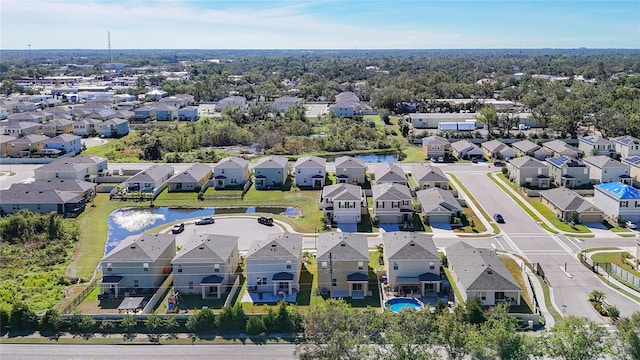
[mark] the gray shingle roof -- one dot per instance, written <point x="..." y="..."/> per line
<point x="30" y="195"/>
<point x="310" y="162"/>
<point x="566" y="200"/>
<point x="401" y="245"/>
<point x="390" y="191"/>
<point x="231" y="163"/>
<point x="527" y="162"/>
<point x="479" y="269"/>
<point x="207" y="249"/>
<point x="349" y="162"/>
<point x="432" y="198"/>
<point x="276" y="246"/>
<point x="272" y="162"/>
<point x="525" y="146"/>
<point x="464" y="146"/>
<point x="602" y="161"/>
<point x="422" y="172"/>
<point x="389" y="172"/>
<point x="343" y="247"/>
<point x="143" y="247"/>
<point x="153" y="174"/>
<point x="194" y="173"/>
<point x="342" y="192"/>
<point x="56" y="184"/>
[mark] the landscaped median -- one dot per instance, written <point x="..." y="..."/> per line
<point x="509" y="188"/>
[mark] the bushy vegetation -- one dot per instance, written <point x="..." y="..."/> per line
<point x="35" y="250"/>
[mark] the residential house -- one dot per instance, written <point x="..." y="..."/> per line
<point x="165" y="112"/>
<point x="480" y="273"/>
<point x="23" y="146"/>
<point x="343" y="265"/>
<point x="466" y="150"/>
<point x="561" y="148"/>
<point x="231" y="172"/>
<point x="79" y="187"/>
<point x="568" y="172"/>
<point x="411" y="261"/>
<point x="281" y="104"/>
<point x="392" y="203"/>
<point x="529" y="172"/>
<point x="427" y="176"/>
<point x="144" y="114"/>
<point x="86" y="127"/>
<point x="273" y="265"/>
<point x="634" y="164"/>
<point x="189" y="113"/>
<point x="73" y="168"/>
<point x="192" y="179"/>
<point x="603" y="169"/>
<point x="350" y="170"/>
<point x="177" y="101"/>
<point x="528" y="148"/>
<point x="438" y="205"/>
<point x="139" y="263"/>
<point x="206" y="265"/>
<point x="342" y="203"/>
<point x="436" y="147"/>
<point x="231" y="102"/>
<point x="21" y="128"/>
<point x="496" y="149"/>
<point x="597" y="145"/>
<point x="113" y="128"/>
<point x="389" y="173"/>
<point x="569" y="206"/>
<point x="150" y="179"/>
<point x="40" y="200"/>
<point x="347" y="105"/>
<point x="310" y="171"/>
<point x="618" y="201"/>
<point x="37" y="117"/>
<point x="270" y="172"/>
<point x="57" y="127"/>
<point x="627" y="146"/>
<point x="66" y="143"/>
<point x="156" y="94"/>
<point x="5" y="145"/>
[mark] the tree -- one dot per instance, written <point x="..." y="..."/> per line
<point x="489" y="116"/>
<point x="52" y="321"/>
<point x="128" y="325"/>
<point x="231" y="318"/>
<point x="409" y="335"/>
<point x="474" y="312"/>
<point x="255" y="325"/>
<point x="22" y="317"/>
<point x="204" y="320"/>
<point x="153" y="323"/>
<point x="502" y="339"/>
<point x="452" y="333"/>
<point x="597" y="295"/>
<point x="628" y="338"/>
<point x="575" y="338"/>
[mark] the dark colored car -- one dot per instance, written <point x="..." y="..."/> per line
<point x="265" y="220"/>
<point x="498" y="218"/>
<point x="498" y="163"/>
<point x="205" y="221"/>
<point x="177" y="228"/>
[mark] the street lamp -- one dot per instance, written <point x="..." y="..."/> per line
<point x="316" y="237"/>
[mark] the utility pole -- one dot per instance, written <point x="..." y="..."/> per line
<point x="109" y="46"/>
<point x="29" y="46"/>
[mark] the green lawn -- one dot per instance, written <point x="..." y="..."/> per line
<point x="454" y="286"/>
<point x="615" y="258"/>
<point x="514" y="269"/>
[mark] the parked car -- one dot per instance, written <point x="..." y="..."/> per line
<point x="177" y="228"/>
<point x="205" y="221"/>
<point x="498" y="163"/>
<point x="265" y="220"/>
<point x="477" y="160"/>
<point x="630" y="225"/>
<point x="498" y="218"/>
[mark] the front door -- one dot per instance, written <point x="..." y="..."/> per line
<point x="356" y="286"/>
<point x="213" y="291"/>
<point x="317" y="183"/>
<point x="220" y="183"/>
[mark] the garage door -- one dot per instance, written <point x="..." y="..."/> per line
<point x="346" y="218"/>
<point x="444" y="218"/>
<point x="388" y="219"/>
<point x="587" y="218"/>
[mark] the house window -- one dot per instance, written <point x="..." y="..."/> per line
<point x="482" y="295"/>
<point x="190" y="284"/>
<point x="179" y="268"/>
<point x="216" y="268"/>
<point x="499" y="296"/>
<point x="432" y="266"/>
<point x="395" y="265"/>
<point x="233" y="181"/>
<point x="109" y="267"/>
<point x="288" y="264"/>
<point x="324" y="264"/>
<point x="395" y="205"/>
<point x="136" y="283"/>
<point x="334" y="282"/>
<point x="624" y="204"/>
<point x="145" y="266"/>
<point x="360" y="265"/>
<point x="262" y="281"/>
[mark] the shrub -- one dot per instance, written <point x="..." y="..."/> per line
<point x="203" y="321"/>
<point x="612" y="311"/>
<point x="22" y="317"/>
<point x="231" y="319"/>
<point x="255" y="325"/>
<point x="128" y="324"/>
<point x="53" y="321"/>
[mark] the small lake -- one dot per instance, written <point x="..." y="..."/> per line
<point x="133" y="221"/>
<point x="373" y="158"/>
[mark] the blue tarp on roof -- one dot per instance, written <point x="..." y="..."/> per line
<point x="620" y="190"/>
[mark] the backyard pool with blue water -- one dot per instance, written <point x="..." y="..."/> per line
<point x="398" y="304"/>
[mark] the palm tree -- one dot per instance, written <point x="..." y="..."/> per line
<point x="597" y="295"/>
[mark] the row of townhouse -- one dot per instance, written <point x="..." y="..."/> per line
<point x="39" y="145"/>
<point x="207" y="265"/>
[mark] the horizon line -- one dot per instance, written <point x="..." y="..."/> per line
<point x="332" y="49"/>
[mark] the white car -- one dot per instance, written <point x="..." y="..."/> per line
<point x="630" y="225"/>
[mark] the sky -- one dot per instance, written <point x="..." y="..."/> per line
<point x="321" y="24"/>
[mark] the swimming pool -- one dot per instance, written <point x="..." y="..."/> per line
<point x="401" y="303"/>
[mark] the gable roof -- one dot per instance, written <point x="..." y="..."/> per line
<point x="465" y="146"/>
<point x="194" y="173"/>
<point x="55" y="184"/>
<point x="272" y="162"/>
<point x="310" y="162"/>
<point x="423" y="172"/>
<point x="619" y="190"/>
<point x="402" y="245"/>
<point x="390" y="191"/>
<point x="595" y="140"/>
<point x="32" y="195"/>
<point x="276" y="246"/>
<point x="479" y="269"/>
<point x="207" y="249"/>
<point x="435" y="140"/>
<point x="566" y="200"/>
<point x="142" y="247"/>
<point x="389" y="172"/>
<point x="525" y="146"/>
<point x="562" y="147"/>
<point x="626" y="140"/>
<point x="564" y="161"/>
<point x="602" y="161"/>
<point x="435" y="197"/>
<point x="339" y="192"/>
<point x="527" y="162"/>
<point x="155" y="173"/>
<point x="342" y="247"/>
<point x="231" y="162"/>
<point x="349" y="162"/>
